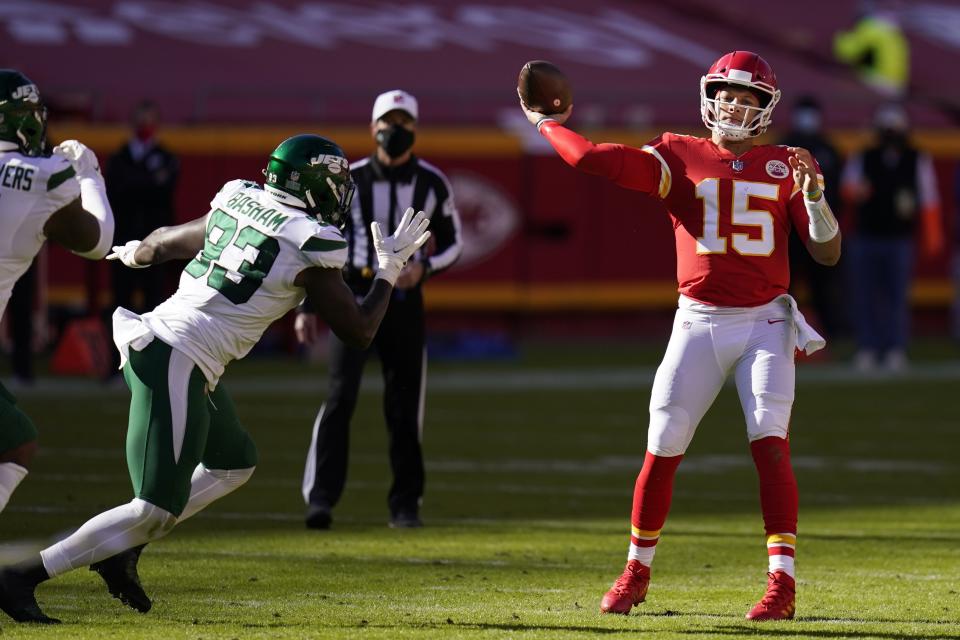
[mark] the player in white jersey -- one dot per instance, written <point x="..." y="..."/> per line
<point x="255" y="255"/>
<point x="61" y="197"/>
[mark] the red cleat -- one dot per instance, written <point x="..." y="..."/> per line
<point x="779" y="602"/>
<point x="630" y="589"/>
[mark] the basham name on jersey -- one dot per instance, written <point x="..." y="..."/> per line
<point x="245" y="205"/>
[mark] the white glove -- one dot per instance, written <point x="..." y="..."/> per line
<point x="124" y="253"/>
<point x="394" y="251"/>
<point x="84" y="160"/>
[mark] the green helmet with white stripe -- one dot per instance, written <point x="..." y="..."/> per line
<point x="23" y="118"/>
<point x="311" y="173"/>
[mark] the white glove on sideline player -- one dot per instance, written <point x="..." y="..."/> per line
<point x="84" y="160"/>
<point x="394" y="251"/>
<point x="124" y="253"/>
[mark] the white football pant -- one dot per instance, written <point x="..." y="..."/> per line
<point x="708" y="343"/>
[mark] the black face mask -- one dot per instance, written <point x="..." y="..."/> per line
<point x="892" y="138"/>
<point x="395" y="140"/>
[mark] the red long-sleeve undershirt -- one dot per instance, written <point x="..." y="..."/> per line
<point x="629" y="167"/>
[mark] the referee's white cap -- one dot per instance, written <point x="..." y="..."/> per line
<point x="392" y="100"/>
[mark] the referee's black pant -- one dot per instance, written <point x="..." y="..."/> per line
<point x="400" y="345"/>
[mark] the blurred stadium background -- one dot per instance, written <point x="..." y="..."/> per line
<point x="548" y="252"/>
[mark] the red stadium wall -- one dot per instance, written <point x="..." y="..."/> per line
<point x="540" y="237"/>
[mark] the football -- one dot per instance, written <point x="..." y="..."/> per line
<point x="543" y="87"/>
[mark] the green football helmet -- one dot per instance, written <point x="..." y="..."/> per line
<point x="23" y="118"/>
<point x="311" y="173"/>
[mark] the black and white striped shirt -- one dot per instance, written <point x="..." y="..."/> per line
<point x="383" y="194"/>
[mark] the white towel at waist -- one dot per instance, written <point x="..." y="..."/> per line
<point x="808" y="340"/>
<point x="129" y="332"/>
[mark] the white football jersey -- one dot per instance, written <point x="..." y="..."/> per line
<point x="243" y="278"/>
<point x="31" y="190"/>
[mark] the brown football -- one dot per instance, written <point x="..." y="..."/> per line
<point x="543" y="87"/>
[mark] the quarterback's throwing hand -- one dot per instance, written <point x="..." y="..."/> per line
<point x="124" y="253"/>
<point x="535" y="117"/>
<point x="84" y="160"/>
<point x="394" y="251"/>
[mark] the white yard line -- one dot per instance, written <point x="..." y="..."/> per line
<point x="699" y="464"/>
<point x="507" y="380"/>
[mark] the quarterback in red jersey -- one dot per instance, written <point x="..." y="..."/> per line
<point x="733" y="205"/>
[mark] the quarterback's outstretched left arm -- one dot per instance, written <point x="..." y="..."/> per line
<point x="180" y="242"/>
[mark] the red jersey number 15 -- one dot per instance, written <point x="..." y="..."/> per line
<point x="708" y="190"/>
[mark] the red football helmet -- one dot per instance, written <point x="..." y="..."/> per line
<point x="745" y="69"/>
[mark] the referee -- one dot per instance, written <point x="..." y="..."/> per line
<point x="388" y="181"/>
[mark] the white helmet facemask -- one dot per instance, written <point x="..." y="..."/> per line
<point x="754" y="121"/>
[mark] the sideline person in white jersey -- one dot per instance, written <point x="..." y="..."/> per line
<point x="61" y="197"/>
<point x="255" y="255"/>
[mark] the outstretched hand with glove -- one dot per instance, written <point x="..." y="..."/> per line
<point x="394" y="251"/>
<point x="125" y="254"/>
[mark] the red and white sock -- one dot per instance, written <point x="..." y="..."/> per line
<point x="780" y="552"/>
<point x="779" y="501"/>
<point x="651" y="503"/>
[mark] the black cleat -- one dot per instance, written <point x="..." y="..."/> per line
<point x="405" y="519"/>
<point x="318" y="517"/>
<point x="120" y="573"/>
<point x="18" y="600"/>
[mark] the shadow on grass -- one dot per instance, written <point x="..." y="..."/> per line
<point x="764" y="628"/>
<point x="716" y="631"/>
<point x="779" y="632"/>
<point x="514" y="627"/>
<point x="573" y="628"/>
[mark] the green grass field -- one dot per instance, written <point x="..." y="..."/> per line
<point x="531" y="466"/>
